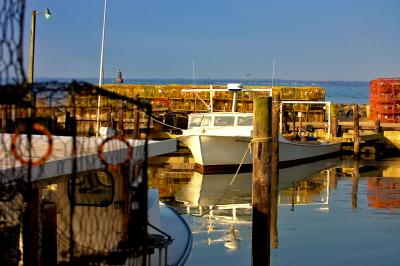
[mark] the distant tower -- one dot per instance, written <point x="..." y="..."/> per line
<point x="119" y="77"/>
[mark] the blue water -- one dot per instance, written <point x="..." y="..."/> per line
<point x="336" y="91"/>
<point x="332" y="224"/>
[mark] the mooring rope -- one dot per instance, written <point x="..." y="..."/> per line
<point x="160" y="122"/>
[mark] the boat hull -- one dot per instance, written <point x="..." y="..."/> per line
<point x="213" y="154"/>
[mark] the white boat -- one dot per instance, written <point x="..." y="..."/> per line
<point x="220" y="141"/>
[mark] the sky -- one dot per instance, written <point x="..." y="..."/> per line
<point x="349" y="40"/>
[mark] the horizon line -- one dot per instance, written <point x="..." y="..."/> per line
<point x="205" y="79"/>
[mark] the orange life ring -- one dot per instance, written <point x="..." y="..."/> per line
<point x="38" y="127"/>
<point x="110" y="166"/>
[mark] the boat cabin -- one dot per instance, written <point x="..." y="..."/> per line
<point x="220" y="120"/>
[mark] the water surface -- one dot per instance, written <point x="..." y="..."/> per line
<point x="335" y="212"/>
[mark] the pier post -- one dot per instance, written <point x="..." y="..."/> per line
<point x="121" y="117"/>
<point x="3" y="118"/>
<point x="31" y="228"/>
<point x="378" y="128"/>
<point x="275" y="169"/>
<point x="356" y="121"/>
<point x="262" y="147"/>
<point x="136" y="120"/>
<point x="68" y="123"/>
<point x="334" y="121"/>
<point x="294" y="119"/>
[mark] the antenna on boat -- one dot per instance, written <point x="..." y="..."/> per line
<point x="194" y="84"/>
<point x="194" y="81"/>
<point x="210" y="106"/>
<point x="273" y="74"/>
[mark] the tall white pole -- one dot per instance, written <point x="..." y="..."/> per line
<point x="101" y="70"/>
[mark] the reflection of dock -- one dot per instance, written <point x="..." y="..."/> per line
<point x="223" y="206"/>
<point x="207" y="190"/>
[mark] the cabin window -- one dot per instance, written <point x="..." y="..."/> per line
<point x="245" y="121"/>
<point x="224" y="121"/>
<point x="198" y="121"/>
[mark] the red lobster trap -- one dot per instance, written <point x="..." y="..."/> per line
<point x="385" y="100"/>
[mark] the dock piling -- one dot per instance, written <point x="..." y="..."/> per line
<point x="378" y="128"/>
<point x="136" y="127"/>
<point x="262" y="153"/>
<point x="356" y="120"/>
<point x="275" y="170"/>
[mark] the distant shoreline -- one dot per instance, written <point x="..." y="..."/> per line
<point x="204" y="81"/>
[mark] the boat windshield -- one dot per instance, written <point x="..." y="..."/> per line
<point x="200" y="120"/>
<point x="245" y="121"/>
<point x="220" y="121"/>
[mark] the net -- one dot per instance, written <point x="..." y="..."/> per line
<point x="11" y="39"/>
<point x="69" y="198"/>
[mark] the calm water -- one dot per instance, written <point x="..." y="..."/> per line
<point x="336" y="91"/>
<point x="344" y="213"/>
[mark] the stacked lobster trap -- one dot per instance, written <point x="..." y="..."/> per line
<point x="65" y="198"/>
<point x="385" y="100"/>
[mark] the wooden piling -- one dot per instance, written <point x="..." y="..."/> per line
<point x="136" y="127"/>
<point x="49" y="233"/>
<point x="275" y="170"/>
<point x="262" y="147"/>
<point x="31" y="229"/>
<point x="68" y="123"/>
<point x="3" y="118"/>
<point x="294" y="120"/>
<point x="334" y="121"/>
<point x="378" y="128"/>
<point x="356" y="121"/>
<point x="121" y="117"/>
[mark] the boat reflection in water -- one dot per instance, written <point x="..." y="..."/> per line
<point x="223" y="201"/>
<point x="204" y="191"/>
<point x="331" y="207"/>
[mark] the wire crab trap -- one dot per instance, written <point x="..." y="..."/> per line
<point x="66" y="198"/>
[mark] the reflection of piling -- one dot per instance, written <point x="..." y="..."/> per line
<point x="261" y="147"/>
<point x="275" y="171"/>
<point x="332" y="178"/>
<point x="354" y="183"/>
<point x="356" y="121"/>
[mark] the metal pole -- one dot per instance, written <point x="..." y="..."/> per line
<point x="280" y="117"/>
<point x="31" y="69"/>
<point x="234" y="102"/>
<point x="101" y="70"/>
<point x="211" y="99"/>
<point x="32" y="47"/>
